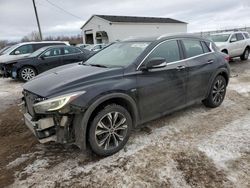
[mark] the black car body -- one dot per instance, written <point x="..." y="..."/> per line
<point x="97" y="103"/>
<point x="42" y="60"/>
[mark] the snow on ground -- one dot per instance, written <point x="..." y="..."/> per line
<point x="195" y="147"/>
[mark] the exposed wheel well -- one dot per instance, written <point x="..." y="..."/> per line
<point x="224" y="51"/>
<point x="248" y="47"/>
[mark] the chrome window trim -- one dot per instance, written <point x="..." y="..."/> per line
<point x="170" y="63"/>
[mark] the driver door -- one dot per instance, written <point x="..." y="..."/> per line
<point x="162" y="90"/>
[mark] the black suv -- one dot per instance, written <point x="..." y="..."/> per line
<point x="97" y="103"/>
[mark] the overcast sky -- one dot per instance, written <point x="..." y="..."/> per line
<point x="17" y="17"/>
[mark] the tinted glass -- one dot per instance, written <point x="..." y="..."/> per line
<point x="71" y="50"/>
<point x="118" y="54"/>
<point x="25" y="49"/>
<point x="53" y="52"/>
<point x="192" y="47"/>
<point x="205" y="47"/>
<point x="239" y="36"/>
<point x="246" y="35"/>
<point x="168" y="50"/>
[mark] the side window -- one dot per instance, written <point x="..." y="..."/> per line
<point x="68" y="50"/>
<point x="239" y="36"/>
<point x="205" y="47"/>
<point x="192" y="47"/>
<point x="233" y="38"/>
<point x="38" y="46"/>
<point x="25" y="49"/>
<point x="168" y="50"/>
<point x="246" y="35"/>
<point x="53" y="52"/>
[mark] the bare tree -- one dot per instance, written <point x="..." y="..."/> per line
<point x="3" y="43"/>
<point x="33" y="36"/>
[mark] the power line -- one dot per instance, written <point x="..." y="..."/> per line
<point x="53" y="4"/>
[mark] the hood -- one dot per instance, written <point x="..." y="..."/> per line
<point x="10" y="58"/>
<point x="220" y="44"/>
<point x="67" y="79"/>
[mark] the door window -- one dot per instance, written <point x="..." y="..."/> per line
<point x="53" y="52"/>
<point x="233" y="38"/>
<point x="246" y="35"/>
<point x="205" y="47"/>
<point x="70" y="50"/>
<point x="239" y="36"/>
<point x="192" y="47"/>
<point x="25" y="49"/>
<point x="168" y="50"/>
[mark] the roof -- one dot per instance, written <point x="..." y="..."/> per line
<point x="135" y="19"/>
<point x="228" y="32"/>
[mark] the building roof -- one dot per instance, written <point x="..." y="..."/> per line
<point x="135" y="19"/>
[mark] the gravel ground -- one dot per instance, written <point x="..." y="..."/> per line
<point x="195" y="147"/>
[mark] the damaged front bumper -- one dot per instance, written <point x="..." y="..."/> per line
<point x="55" y="128"/>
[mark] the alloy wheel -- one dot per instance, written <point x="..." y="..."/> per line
<point x="218" y="91"/>
<point x="111" y="130"/>
<point x="28" y="73"/>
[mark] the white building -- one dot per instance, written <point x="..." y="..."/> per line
<point x="106" y="29"/>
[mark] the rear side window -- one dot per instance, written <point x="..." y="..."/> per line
<point x="168" y="50"/>
<point x="70" y="50"/>
<point x="246" y="35"/>
<point x="239" y="36"/>
<point x="205" y="47"/>
<point x="192" y="47"/>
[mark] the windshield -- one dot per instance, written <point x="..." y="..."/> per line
<point x="38" y="52"/>
<point x="118" y="54"/>
<point x="219" y="38"/>
<point x="4" y="49"/>
<point x="10" y="49"/>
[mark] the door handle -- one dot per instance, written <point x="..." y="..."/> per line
<point x="180" y="67"/>
<point x="210" y="61"/>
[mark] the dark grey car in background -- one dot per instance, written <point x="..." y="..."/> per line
<point x="96" y="104"/>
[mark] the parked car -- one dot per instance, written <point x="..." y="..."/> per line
<point x="25" y="49"/>
<point x="99" y="102"/>
<point x="42" y="60"/>
<point x="96" y="47"/>
<point x="235" y="44"/>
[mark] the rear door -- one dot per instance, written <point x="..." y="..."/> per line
<point x="241" y="43"/>
<point x="72" y="55"/>
<point x="201" y="65"/>
<point x="162" y="90"/>
<point x="51" y="58"/>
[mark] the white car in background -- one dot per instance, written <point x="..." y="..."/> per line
<point x="235" y="44"/>
<point x="95" y="47"/>
<point x="24" y="49"/>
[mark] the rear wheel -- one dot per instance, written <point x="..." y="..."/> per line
<point x="110" y="130"/>
<point x="245" y="55"/>
<point x="217" y="93"/>
<point x="26" y="73"/>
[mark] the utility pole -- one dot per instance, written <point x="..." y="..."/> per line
<point x="37" y="20"/>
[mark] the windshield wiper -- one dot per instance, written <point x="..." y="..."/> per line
<point x="98" y="65"/>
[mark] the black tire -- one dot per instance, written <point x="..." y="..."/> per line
<point x="104" y="138"/>
<point x="217" y="92"/>
<point x="26" y="73"/>
<point x="245" y="55"/>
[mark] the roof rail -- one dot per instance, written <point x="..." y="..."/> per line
<point x="169" y="34"/>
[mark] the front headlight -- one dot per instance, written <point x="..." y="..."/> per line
<point x="56" y="103"/>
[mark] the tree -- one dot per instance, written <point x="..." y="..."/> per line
<point x="33" y="36"/>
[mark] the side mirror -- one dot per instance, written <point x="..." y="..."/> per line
<point x="155" y="63"/>
<point x="17" y="52"/>
<point x="233" y="40"/>
<point x="42" y="57"/>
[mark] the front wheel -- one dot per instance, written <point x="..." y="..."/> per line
<point x="27" y="73"/>
<point x="217" y="93"/>
<point x="245" y="55"/>
<point x="110" y="130"/>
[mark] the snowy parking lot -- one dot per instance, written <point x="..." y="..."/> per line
<point x="195" y="147"/>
